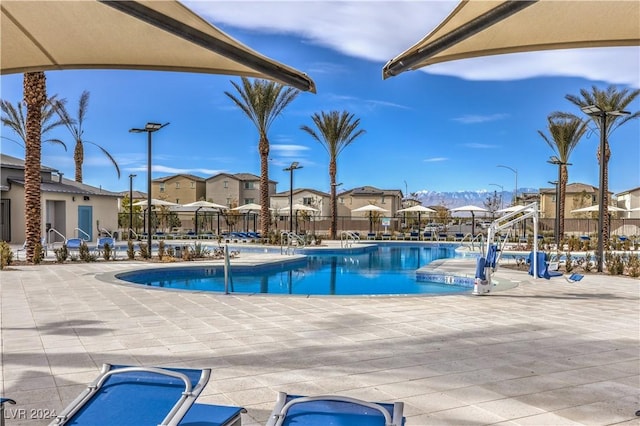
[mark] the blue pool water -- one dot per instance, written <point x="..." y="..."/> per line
<point x="379" y="270"/>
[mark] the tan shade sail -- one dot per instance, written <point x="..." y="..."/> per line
<point x="144" y="35"/>
<point x="483" y="28"/>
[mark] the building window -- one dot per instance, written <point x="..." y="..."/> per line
<point x="177" y="185"/>
<point x="307" y="201"/>
<point x="248" y="185"/>
<point x="249" y="201"/>
<point x="382" y="202"/>
<point x="341" y="200"/>
<point x="193" y="185"/>
<point x="225" y="184"/>
<point x="162" y="187"/>
<point x="229" y="201"/>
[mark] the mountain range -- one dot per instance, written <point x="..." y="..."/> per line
<point x="462" y="198"/>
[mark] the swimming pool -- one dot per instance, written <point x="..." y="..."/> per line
<point x="376" y="270"/>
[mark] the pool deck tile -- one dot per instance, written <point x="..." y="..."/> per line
<point x="538" y="353"/>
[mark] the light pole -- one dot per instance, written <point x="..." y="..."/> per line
<point x="131" y="206"/>
<point x="556" y="222"/>
<point x="555" y="160"/>
<point x="295" y="165"/>
<point x="603" y="207"/>
<point x="149" y="128"/>
<point x="515" y="197"/>
<point x="501" y="191"/>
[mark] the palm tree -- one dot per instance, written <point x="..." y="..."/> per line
<point x="262" y="101"/>
<point x="565" y="133"/>
<point x="76" y="129"/>
<point x="14" y="118"/>
<point x="35" y="97"/>
<point x="610" y="99"/>
<point x="336" y="131"/>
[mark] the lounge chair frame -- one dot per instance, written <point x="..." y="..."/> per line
<point x="284" y="402"/>
<point x="172" y="418"/>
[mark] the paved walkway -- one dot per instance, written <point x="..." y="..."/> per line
<point x="542" y="353"/>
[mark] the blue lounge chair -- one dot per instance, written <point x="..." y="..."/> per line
<point x="124" y="395"/>
<point x="542" y="266"/>
<point x="574" y="278"/>
<point x="333" y="410"/>
<point x="2" y="402"/>
<point x="102" y="241"/>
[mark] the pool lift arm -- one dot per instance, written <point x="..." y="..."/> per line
<point x="488" y="262"/>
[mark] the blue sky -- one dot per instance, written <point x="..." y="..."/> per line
<point x="443" y="128"/>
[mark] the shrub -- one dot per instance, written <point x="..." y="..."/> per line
<point x="84" y="254"/>
<point x="144" y="251"/>
<point x="131" y="253"/>
<point x="568" y="266"/>
<point x="62" y="254"/>
<point x="161" y="249"/>
<point x="633" y="265"/>
<point x="586" y="266"/>
<point x="38" y="254"/>
<point x="6" y="255"/>
<point x="200" y="251"/>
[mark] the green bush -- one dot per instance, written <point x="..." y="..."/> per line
<point x="131" y="253"/>
<point x="633" y="265"/>
<point x="144" y="251"/>
<point x="62" y="254"/>
<point x="38" y="255"/>
<point x="6" y="255"/>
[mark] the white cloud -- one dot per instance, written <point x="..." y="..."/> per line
<point x="479" y="145"/>
<point x="473" y="119"/>
<point x="176" y="170"/>
<point x="380" y="30"/>
<point x="435" y="159"/>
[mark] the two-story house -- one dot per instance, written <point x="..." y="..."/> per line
<point x="180" y="188"/>
<point x="235" y="189"/>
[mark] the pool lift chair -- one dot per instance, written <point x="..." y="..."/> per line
<point x="487" y="263"/>
<point x="137" y="396"/>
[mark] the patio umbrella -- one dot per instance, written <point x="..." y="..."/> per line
<point x="596" y="208"/>
<point x="484" y="28"/>
<point x="417" y="209"/>
<point x="296" y="208"/>
<point x="370" y="208"/>
<point x="472" y="209"/>
<point x="248" y="209"/>
<point x="510" y="209"/>
<point x="196" y="206"/>
<point x="156" y="203"/>
<point x="38" y="36"/>
<point x="148" y="35"/>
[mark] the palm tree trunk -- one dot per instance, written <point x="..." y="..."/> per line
<point x="78" y="158"/>
<point x="605" y="188"/>
<point x="334" y="205"/>
<point x="265" y="216"/>
<point x="564" y="177"/>
<point x="35" y="96"/>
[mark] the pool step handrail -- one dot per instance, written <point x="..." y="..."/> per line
<point x="289" y="241"/>
<point x="348" y="238"/>
<point x="80" y="231"/>
<point x="49" y="241"/>
<point x="130" y="231"/>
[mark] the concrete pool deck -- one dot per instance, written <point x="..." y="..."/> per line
<point x="541" y="353"/>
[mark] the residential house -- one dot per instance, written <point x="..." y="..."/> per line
<point x="308" y="197"/>
<point x="69" y="209"/>
<point x="388" y="199"/>
<point x="180" y="188"/>
<point x="235" y="189"/>
<point x="577" y="196"/>
<point x="629" y="200"/>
